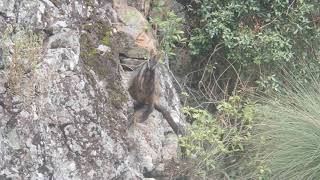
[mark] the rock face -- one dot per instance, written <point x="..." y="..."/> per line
<point x="65" y="112"/>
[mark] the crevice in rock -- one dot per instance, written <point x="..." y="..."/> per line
<point x="53" y="2"/>
<point x="130" y="63"/>
<point x="2" y="104"/>
<point x="16" y="10"/>
<point x="147" y="174"/>
<point x="2" y="14"/>
<point x="11" y="124"/>
<point x="121" y="56"/>
<point x="65" y="138"/>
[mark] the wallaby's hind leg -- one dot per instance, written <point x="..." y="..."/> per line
<point x="142" y="112"/>
<point x="147" y="111"/>
<point x="137" y="106"/>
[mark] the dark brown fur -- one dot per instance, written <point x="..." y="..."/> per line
<point x="145" y="90"/>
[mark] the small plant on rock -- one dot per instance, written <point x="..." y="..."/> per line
<point x="22" y="52"/>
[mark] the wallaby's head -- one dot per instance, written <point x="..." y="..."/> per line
<point x="154" y="59"/>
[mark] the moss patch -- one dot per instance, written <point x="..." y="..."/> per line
<point x="97" y="32"/>
<point x="91" y="58"/>
<point x="106" y="38"/>
<point x="89" y="2"/>
<point x="100" y="29"/>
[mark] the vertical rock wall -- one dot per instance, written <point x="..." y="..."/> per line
<point x="64" y="107"/>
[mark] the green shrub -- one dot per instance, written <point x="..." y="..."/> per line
<point x="169" y="31"/>
<point x="257" y="35"/>
<point x="213" y="142"/>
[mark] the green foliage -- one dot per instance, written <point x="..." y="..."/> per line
<point x="288" y="132"/>
<point x="106" y="38"/>
<point x="269" y="84"/>
<point x="258" y="34"/>
<point x="169" y="31"/>
<point x="212" y="139"/>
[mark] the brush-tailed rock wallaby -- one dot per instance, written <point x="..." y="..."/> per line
<point x="145" y="90"/>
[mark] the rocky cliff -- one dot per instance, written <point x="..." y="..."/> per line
<point x="65" y="112"/>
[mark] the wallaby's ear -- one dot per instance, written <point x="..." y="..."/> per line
<point x="153" y="52"/>
<point x="153" y="61"/>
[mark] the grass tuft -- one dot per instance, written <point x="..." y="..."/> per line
<point x="289" y="131"/>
